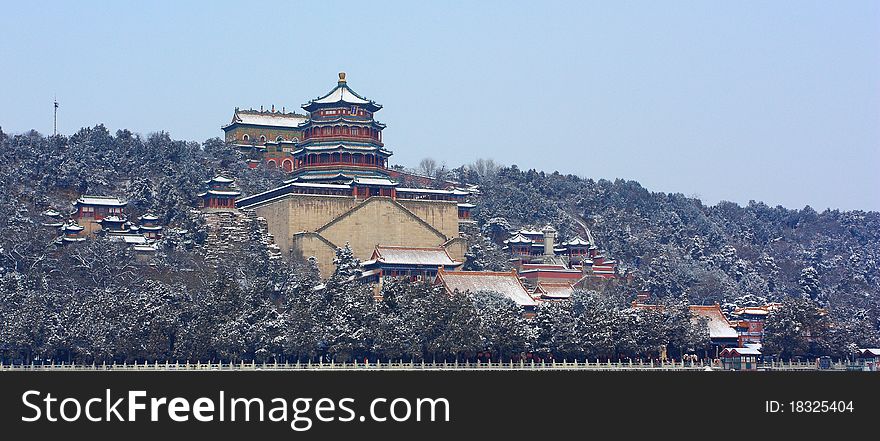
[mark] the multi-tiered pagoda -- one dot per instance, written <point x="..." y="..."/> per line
<point x="341" y="139"/>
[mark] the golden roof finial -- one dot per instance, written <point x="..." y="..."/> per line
<point x="341" y="77"/>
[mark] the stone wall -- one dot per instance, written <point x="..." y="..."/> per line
<point x="296" y="213"/>
<point x="314" y="225"/>
<point x="236" y="134"/>
<point x="442" y="215"/>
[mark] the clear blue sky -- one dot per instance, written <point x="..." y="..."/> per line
<point x="772" y="101"/>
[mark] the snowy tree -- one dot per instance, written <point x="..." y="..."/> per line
<point x="347" y="266"/>
<point x="797" y="328"/>
<point x="811" y="286"/>
<point x="503" y="328"/>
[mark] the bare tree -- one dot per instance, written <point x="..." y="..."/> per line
<point x="485" y="168"/>
<point x="428" y="167"/>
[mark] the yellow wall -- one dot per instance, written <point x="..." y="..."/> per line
<point x="307" y="245"/>
<point x="380" y="221"/>
<point x="362" y="224"/>
<point x="236" y="134"/>
<point x="301" y="212"/>
<point x="442" y="215"/>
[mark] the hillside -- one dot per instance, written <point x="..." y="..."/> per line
<point x="95" y="301"/>
<point x="677" y="245"/>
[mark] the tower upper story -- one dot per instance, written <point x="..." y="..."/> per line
<point x="340" y="137"/>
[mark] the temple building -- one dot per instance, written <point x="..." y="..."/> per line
<point x="342" y="190"/>
<point x="221" y="194"/>
<point x="538" y="257"/>
<point x="269" y="134"/>
<point x="504" y="283"/>
<point x="721" y="332"/>
<point x="149" y="226"/>
<point x="749" y="322"/>
<point x="70" y="233"/>
<point x="553" y="291"/>
<point x="90" y="210"/>
<point x="340" y="137"/>
<point x="115" y="224"/>
<point x="410" y="262"/>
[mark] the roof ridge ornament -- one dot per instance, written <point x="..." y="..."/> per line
<point x="341" y="78"/>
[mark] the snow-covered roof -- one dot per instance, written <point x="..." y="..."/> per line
<point x="100" y="200"/>
<point x="555" y="290"/>
<point x="870" y="351"/>
<point x="751" y="311"/>
<point x="718" y="325"/>
<point x="423" y="190"/>
<point x="72" y="227"/>
<point x="113" y="218"/>
<point x="149" y="217"/>
<point x="465" y="205"/>
<point x="519" y="238"/>
<point x="336" y="145"/>
<point x="395" y="255"/>
<point x="320" y="185"/>
<point x="341" y="93"/>
<point x="375" y="181"/>
<point x="507" y="284"/>
<point x="531" y="232"/>
<point x="220" y="180"/>
<point x="51" y="213"/>
<point x="219" y="193"/>
<point x="275" y="119"/>
<point x="740" y="351"/>
<point x="576" y="241"/>
<point x="130" y="239"/>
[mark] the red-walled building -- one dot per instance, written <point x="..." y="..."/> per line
<point x="221" y="193"/>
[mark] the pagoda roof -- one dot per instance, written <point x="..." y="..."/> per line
<point x="504" y="283"/>
<point x="329" y="120"/>
<point x="320" y="185"/>
<point x="432" y="191"/>
<point x="72" y="227"/>
<point x="518" y="238"/>
<point x="312" y="147"/>
<point x="219" y="193"/>
<point x="266" y="118"/>
<point x="398" y="255"/>
<point x="341" y="95"/>
<point x="374" y="181"/>
<point x="108" y="201"/>
<point x="149" y="217"/>
<point x="51" y="213"/>
<point x="220" y="180"/>
<point x="576" y="241"/>
<point x="341" y="176"/>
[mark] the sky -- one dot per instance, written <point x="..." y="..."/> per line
<point x="769" y="101"/>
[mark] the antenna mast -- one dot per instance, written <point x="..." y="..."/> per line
<point x="55" y="122"/>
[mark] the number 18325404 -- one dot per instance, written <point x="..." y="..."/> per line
<point x="809" y="406"/>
